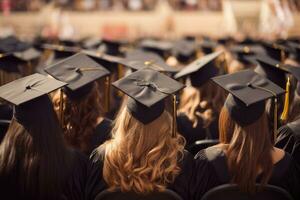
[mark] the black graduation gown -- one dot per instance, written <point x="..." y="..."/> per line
<point x="213" y="161"/>
<point x="101" y="134"/>
<point x="289" y="139"/>
<point x="96" y="184"/>
<point x="74" y="184"/>
<point x="6" y="113"/>
<point x="193" y="134"/>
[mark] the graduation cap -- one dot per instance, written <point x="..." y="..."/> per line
<point x="248" y="93"/>
<point x="61" y="51"/>
<point x="12" y="44"/>
<point x="162" y="48"/>
<point x="201" y="70"/>
<point x="91" y="43"/>
<point x="208" y="46"/>
<point x="296" y="49"/>
<point x="79" y="71"/>
<point x="272" y="69"/>
<point x="147" y="89"/>
<point x="139" y="59"/>
<point x="184" y="50"/>
<point x="28" y="55"/>
<point x="247" y="53"/>
<point x="9" y="63"/>
<point x="276" y="51"/>
<point x="29" y="96"/>
<point x="113" y="47"/>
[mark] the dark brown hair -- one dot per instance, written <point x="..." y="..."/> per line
<point x="248" y="150"/>
<point x="34" y="164"/>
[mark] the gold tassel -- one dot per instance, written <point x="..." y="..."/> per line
<point x="61" y="108"/>
<point x="174" y="129"/>
<point x="107" y="94"/>
<point x="285" y="111"/>
<point x="275" y="119"/>
<point x="120" y="74"/>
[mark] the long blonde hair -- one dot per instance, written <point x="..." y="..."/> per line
<point x="142" y="157"/>
<point x="208" y="98"/>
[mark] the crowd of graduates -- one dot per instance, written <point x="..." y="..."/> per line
<point x="83" y="117"/>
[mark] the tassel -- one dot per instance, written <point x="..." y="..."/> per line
<point x="174" y="129"/>
<point x="275" y="119"/>
<point x="107" y="94"/>
<point x="285" y="111"/>
<point x="120" y="74"/>
<point x="61" y="108"/>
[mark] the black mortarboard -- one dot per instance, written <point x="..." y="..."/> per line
<point x="295" y="71"/>
<point x="61" y="51"/>
<point x="184" y="50"/>
<point x="162" y="48"/>
<point x="29" y="96"/>
<point x="28" y="55"/>
<point x="247" y="53"/>
<point x="276" y="51"/>
<point x="201" y="70"/>
<point x="272" y="69"/>
<point x="91" y="43"/>
<point x="139" y="59"/>
<point x="113" y="47"/>
<point x="110" y="62"/>
<point x="78" y="71"/>
<point x="248" y="92"/>
<point x="147" y="89"/>
<point x="12" y="44"/>
<point x="208" y="46"/>
<point x="71" y="42"/>
<point x="9" y="63"/>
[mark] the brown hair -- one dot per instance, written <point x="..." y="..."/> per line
<point x="34" y="163"/>
<point x="247" y="147"/>
<point x="142" y="157"/>
<point x="208" y="98"/>
<point x="80" y="118"/>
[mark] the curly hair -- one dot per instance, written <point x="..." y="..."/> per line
<point x="142" y="157"/>
<point x="80" y="118"/>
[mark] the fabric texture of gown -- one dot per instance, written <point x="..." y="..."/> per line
<point x="213" y="161"/>
<point x="289" y="139"/>
<point x="74" y="185"/>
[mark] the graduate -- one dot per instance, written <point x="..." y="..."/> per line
<point x="145" y="153"/>
<point x="289" y="134"/>
<point x="246" y="154"/>
<point x="84" y="124"/>
<point x="34" y="162"/>
<point x="200" y="102"/>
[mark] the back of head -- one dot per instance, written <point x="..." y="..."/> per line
<point x="142" y="157"/>
<point x="247" y="147"/>
<point x="80" y="117"/>
<point x="32" y="153"/>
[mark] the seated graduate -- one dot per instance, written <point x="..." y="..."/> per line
<point x="289" y="134"/>
<point x="34" y="162"/>
<point x="246" y="154"/>
<point x="85" y="126"/>
<point x="145" y="153"/>
<point x="200" y="102"/>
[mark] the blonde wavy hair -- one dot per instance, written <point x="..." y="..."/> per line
<point x="208" y="98"/>
<point x="142" y="158"/>
<point x="80" y="118"/>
